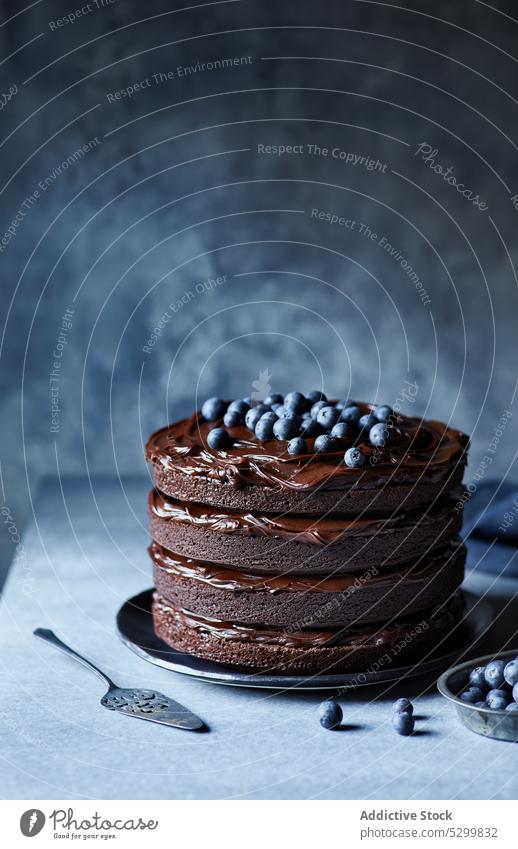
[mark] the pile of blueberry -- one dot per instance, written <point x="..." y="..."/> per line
<point x="494" y="686"/>
<point x="295" y="418"/>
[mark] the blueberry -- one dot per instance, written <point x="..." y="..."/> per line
<point x="317" y="406"/>
<point x="354" y="458"/>
<point x="342" y="430"/>
<point x="512" y="706"/>
<point x="241" y="406"/>
<point x="515" y="692"/>
<point x="315" y="396"/>
<point x="511" y="672"/>
<point x="504" y="691"/>
<point x="383" y="412"/>
<point x="218" y="439"/>
<point x="350" y="414"/>
<point x="324" y="444"/>
<point x="213" y="409"/>
<point x="253" y="416"/>
<point x="330" y="714"/>
<point x="501" y="691"/>
<point x="297" y="446"/>
<point x="403" y="723"/>
<point x="480" y="704"/>
<point x="232" y="418"/>
<point x="367" y="421"/>
<point x="472" y="695"/>
<point x="248" y="401"/>
<point x="344" y="402"/>
<point x="273" y="399"/>
<point x="264" y="428"/>
<point x="403" y="706"/>
<point x="379" y="434"/>
<point x="494" y="674"/>
<point x="497" y="702"/>
<point x="477" y="677"/>
<point x="295" y="402"/>
<point x="327" y="417"/>
<point x="284" y="413"/>
<point x="286" y="427"/>
<point x="276" y="407"/>
<point x="310" y="428"/>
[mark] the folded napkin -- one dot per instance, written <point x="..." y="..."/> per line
<point x="491" y="528"/>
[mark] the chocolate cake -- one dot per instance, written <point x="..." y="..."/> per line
<point x="302" y="535"/>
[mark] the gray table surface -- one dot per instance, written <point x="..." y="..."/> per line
<point x="82" y="556"/>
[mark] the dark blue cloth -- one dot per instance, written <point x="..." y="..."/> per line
<point x="491" y="528"/>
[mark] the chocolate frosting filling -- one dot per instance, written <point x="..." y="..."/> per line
<point x="384" y="635"/>
<point x="226" y="578"/>
<point x="422" y="450"/>
<point x="307" y="529"/>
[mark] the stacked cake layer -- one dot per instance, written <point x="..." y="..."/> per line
<point x="271" y="559"/>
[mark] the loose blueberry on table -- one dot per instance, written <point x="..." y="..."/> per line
<point x="403" y="723"/>
<point x="403" y="706"/>
<point x="330" y="714"/>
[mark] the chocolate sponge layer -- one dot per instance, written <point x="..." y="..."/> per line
<point x="394" y="645"/>
<point x="423" y="460"/>
<point x="287" y="601"/>
<point x="276" y="544"/>
<point x="379" y="500"/>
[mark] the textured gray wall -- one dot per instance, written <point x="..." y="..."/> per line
<point x="171" y="191"/>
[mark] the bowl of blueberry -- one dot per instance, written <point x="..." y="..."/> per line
<point x="485" y="694"/>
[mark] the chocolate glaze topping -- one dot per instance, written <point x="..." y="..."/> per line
<point x="383" y="636"/>
<point x="308" y="529"/>
<point x="422" y="450"/>
<point x="228" y="579"/>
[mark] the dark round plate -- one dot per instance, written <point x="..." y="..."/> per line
<point x="135" y="629"/>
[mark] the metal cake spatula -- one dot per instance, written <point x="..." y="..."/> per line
<point x="143" y="704"/>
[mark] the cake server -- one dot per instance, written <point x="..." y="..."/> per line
<point x="143" y="704"/>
